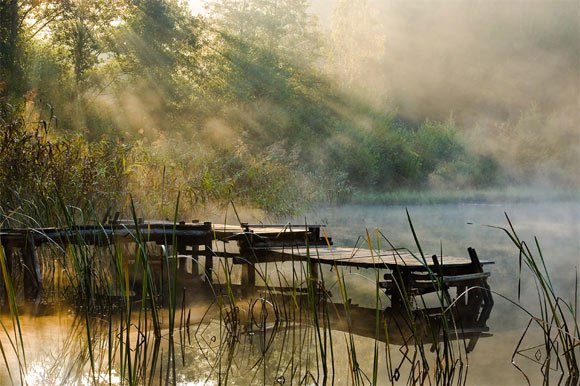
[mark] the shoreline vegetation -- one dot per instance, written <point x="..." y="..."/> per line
<point x="43" y="168"/>
<point x="106" y="107"/>
<point x="504" y="195"/>
<point x="257" y="105"/>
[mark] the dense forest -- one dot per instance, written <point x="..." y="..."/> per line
<point x="272" y="105"/>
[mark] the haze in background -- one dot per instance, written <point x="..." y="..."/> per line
<point x="506" y="71"/>
<point x="475" y="58"/>
<point x="367" y="99"/>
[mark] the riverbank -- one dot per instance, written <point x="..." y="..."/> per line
<point x="488" y="196"/>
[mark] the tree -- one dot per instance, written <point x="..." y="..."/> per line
<point x="158" y="50"/>
<point x="84" y="30"/>
<point x="284" y="26"/>
<point x="20" y="21"/>
<point x="11" y="73"/>
<point x="356" y="48"/>
<point x="273" y="35"/>
<point x="265" y="53"/>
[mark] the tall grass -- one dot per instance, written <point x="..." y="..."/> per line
<point x="126" y="315"/>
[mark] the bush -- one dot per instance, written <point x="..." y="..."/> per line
<point x="37" y="168"/>
<point x="269" y="180"/>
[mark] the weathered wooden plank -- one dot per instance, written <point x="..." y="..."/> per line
<point x="467" y="278"/>
<point x="354" y="257"/>
<point x="269" y="234"/>
<point x="93" y="235"/>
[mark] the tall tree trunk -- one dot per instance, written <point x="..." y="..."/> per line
<point x="11" y="71"/>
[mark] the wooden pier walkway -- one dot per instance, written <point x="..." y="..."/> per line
<point x="406" y="274"/>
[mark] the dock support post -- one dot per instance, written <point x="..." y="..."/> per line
<point x="484" y="292"/>
<point x="438" y="271"/>
<point x="208" y="254"/>
<point x="31" y="271"/>
<point x="249" y="275"/>
<point x="248" y="280"/>
<point x="400" y="296"/>
<point x="313" y="274"/>
<point x="314" y="271"/>
<point x="181" y="259"/>
<point x="194" y="260"/>
<point x="182" y="265"/>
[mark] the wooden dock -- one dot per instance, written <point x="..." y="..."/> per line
<point x="406" y="274"/>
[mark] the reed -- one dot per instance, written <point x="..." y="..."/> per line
<point x="128" y="344"/>
<point x="16" y="342"/>
<point x="556" y="316"/>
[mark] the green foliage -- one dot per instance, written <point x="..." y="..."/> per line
<point x="535" y="148"/>
<point x="384" y="154"/>
<point x="79" y="34"/>
<point x="397" y="163"/>
<point x="436" y="142"/>
<point x="233" y="105"/>
<point x="156" y="49"/>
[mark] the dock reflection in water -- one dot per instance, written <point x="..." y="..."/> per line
<point x="271" y="337"/>
<point x="289" y="336"/>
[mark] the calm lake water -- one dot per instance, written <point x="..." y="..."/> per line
<point x="454" y="228"/>
<point x="55" y="339"/>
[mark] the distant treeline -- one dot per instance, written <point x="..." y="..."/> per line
<point x="249" y="102"/>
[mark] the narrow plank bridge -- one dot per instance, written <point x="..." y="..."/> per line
<point x="406" y="274"/>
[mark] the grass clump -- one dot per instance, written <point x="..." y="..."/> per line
<point x="134" y="319"/>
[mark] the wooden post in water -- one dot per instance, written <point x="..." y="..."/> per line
<point x="194" y="260"/>
<point x="7" y="254"/>
<point x="31" y="272"/>
<point x="248" y="275"/>
<point x="208" y="253"/>
<point x="195" y="256"/>
<point x="313" y="271"/>
<point x="182" y="257"/>
<point x="401" y="286"/>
